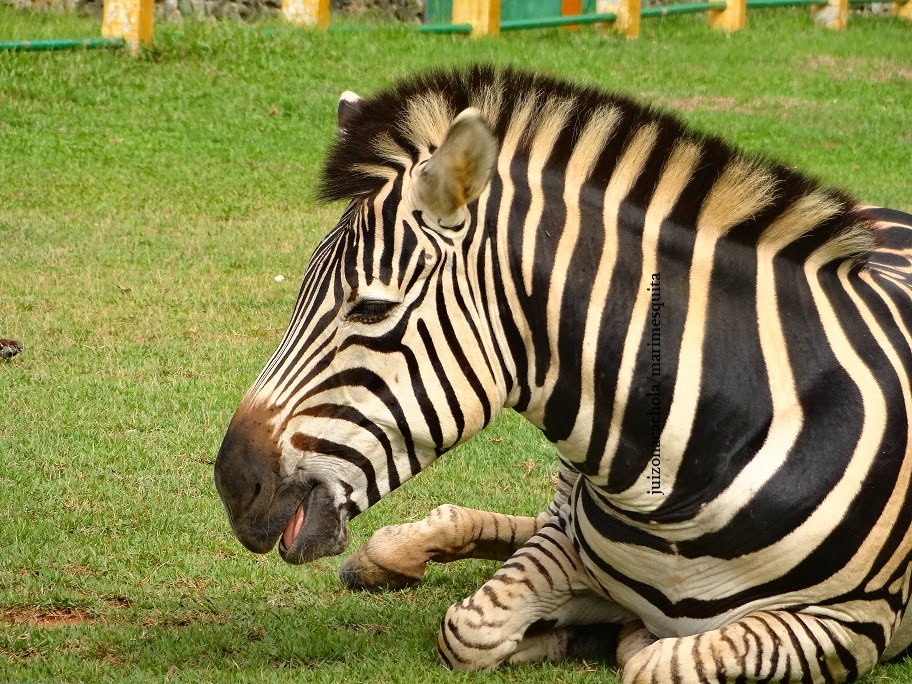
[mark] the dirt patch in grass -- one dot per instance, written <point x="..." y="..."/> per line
<point x="765" y="106"/>
<point x="710" y="103"/>
<point x="47" y="618"/>
<point x="873" y="70"/>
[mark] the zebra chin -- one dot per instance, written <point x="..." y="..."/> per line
<point x="315" y="529"/>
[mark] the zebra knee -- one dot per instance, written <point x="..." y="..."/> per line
<point x="471" y="639"/>
<point x="540" y="586"/>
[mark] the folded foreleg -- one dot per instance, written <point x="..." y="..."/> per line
<point x="396" y="556"/>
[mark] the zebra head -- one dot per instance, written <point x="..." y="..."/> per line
<point x="387" y="361"/>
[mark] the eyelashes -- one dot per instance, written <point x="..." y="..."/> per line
<point x="370" y="311"/>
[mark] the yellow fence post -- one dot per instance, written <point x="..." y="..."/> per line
<point x="307" y="12"/>
<point x="834" y="15"/>
<point x="483" y="15"/>
<point x="130" y="20"/>
<point x="732" y="18"/>
<point x="627" y="13"/>
<point x="903" y="10"/>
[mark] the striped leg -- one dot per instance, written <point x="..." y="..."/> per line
<point x="529" y="610"/>
<point x="763" y="646"/>
<point x="396" y="556"/>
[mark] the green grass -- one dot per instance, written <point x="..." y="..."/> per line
<point x="146" y="206"/>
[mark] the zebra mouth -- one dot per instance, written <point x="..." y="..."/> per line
<point x="315" y="528"/>
<point x="294" y="526"/>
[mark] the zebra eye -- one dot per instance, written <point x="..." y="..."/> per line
<point x="370" y="311"/>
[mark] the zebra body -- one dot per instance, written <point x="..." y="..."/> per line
<point x="718" y="347"/>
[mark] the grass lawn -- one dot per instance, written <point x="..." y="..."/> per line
<point x="146" y="206"/>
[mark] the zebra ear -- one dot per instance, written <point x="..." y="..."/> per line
<point x="349" y="107"/>
<point x="458" y="171"/>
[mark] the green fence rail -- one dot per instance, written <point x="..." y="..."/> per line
<point x="756" y="4"/>
<point x="550" y="22"/>
<point x="445" y="28"/>
<point x="60" y="44"/>
<point x="686" y="8"/>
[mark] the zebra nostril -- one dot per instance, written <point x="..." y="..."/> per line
<point x="256" y="490"/>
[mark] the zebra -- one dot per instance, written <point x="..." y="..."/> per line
<point x="717" y="345"/>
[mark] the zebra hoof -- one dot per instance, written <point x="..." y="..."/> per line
<point x="360" y="573"/>
<point x="9" y="348"/>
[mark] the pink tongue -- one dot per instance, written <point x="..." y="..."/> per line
<point x="294" y="526"/>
